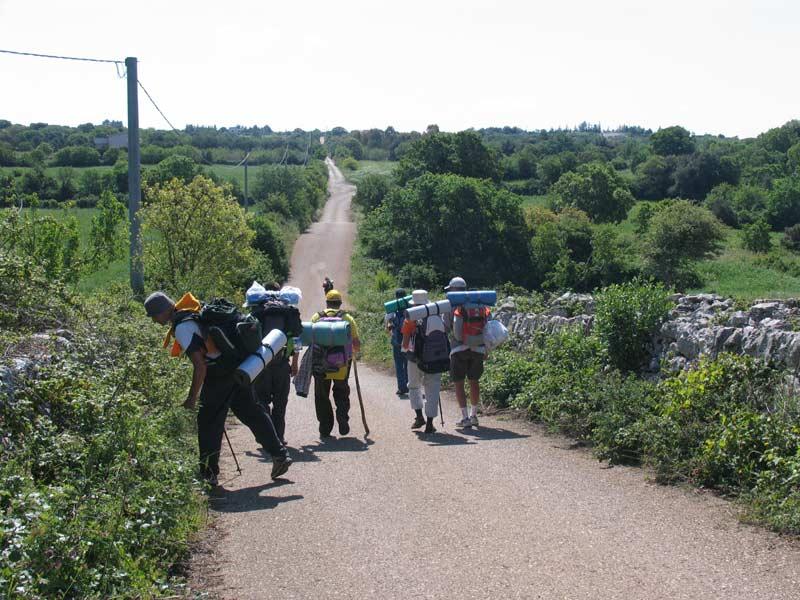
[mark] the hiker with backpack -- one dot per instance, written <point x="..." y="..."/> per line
<point x="467" y="323"/>
<point x="394" y="326"/>
<point x="215" y="337"/>
<point x="272" y="386"/>
<point x="428" y="350"/>
<point x="331" y="368"/>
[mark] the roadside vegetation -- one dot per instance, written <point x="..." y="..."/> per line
<point x="731" y="424"/>
<point x="99" y="495"/>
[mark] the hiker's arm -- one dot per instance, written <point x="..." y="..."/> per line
<point x="356" y="345"/>
<point x="198" y="376"/>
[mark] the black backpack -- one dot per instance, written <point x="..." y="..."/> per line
<point x="431" y="350"/>
<point x="234" y="334"/>
<point x="277" y="314"/>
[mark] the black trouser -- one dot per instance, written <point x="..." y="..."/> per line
<point x="219" y="394"/>
<point x="272" y="388"/>
<point x="322" y="403"/>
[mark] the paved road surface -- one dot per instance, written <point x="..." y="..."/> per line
<point x="504" y="511"/>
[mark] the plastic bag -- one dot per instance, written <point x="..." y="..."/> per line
<point x="494" y="334"/>
<point x="291" y="295"/>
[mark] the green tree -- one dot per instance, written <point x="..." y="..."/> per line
<point x="755" y="237"/>
<point x="269" y="241"/>
<point x="462" y="153"/>
<point x="372" y="189"/>
<point x="678" y="234"/>
<point x="197" y="239"/>
<point x="176" y="166"/>
<point x="454" y="224"/>
<point x="653" y="178"/>
<point x="783" y="202"/>
<point x="671" y="141"/>
<point x="595" y="188"/>
<point x="108" y="237"/>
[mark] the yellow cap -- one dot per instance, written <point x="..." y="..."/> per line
<point x="333" y="296"/>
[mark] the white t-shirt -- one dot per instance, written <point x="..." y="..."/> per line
<point x="185" y="333"/>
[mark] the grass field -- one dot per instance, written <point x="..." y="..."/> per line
<point x="534" y="201"/>
<point x="369" y="167"/>
<point x="116" y="272"/>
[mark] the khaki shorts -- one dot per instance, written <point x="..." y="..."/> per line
<point x="466" y="364"/>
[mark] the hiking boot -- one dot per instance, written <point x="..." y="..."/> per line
<point x="465" y="422"/>
<point x="418" y="422"/>
<point x="344" y="428"/>
<point x="473" y="420"/>
<point x="280" y="464"/>
<point x="429" y="428"/>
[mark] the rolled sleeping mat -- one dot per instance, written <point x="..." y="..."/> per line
<point x="325" y="333"/>
<point x="395" y="305"/>
<point x="415" y="313"/>
<point x="482" y="297"/>
<point x="246" y="373"/>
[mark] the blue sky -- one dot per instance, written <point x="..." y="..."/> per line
<point x="712" y="66"/>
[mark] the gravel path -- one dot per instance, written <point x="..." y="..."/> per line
<point x="502" y="511"/>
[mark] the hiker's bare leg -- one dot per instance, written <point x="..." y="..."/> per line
<point x="461" y="394"/>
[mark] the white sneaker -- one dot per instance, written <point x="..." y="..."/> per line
<point x="473" y="420"/>
<point x="465" y="422"/>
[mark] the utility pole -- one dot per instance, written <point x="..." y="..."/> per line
<point x="134" y="181"/>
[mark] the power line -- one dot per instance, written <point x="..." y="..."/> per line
<point x="97" y="60"/>
<point x="153" y="102"/>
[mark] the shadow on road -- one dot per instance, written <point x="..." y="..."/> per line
<point x="332" y="444"/>
<point x="492" y="433"/>
<point x="442" y="439"/>
<point x="250" y="499"/>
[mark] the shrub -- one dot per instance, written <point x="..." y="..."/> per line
<point x="696" y="404"/>
<point x="507" y="374"/>
<point x="791" y="238"/>
<point x="621" y="424"/>
<point x="349" y="163"/>
<point x="755" y="237"/>
<point x="269" y="241"/>
<point x="678" y="234"/>
<point x="97" y="474"/>
<point x="627" y="317"/>
<point x="198" y="239"/>
<point x="372" y="189"/>
<point x="596" y="189"/>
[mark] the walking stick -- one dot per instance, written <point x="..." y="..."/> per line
<point x="236" y="460"/>
<point x="360" y="399"/>
<point x="441" y="412"/>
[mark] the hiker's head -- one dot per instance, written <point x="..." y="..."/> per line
<point x="399" y="293"/>
<point x="333" y="299"/>
<point x="159" y="307"/>
<point x="273" y="286"/>
<point x="457" y="284"/>
<point x="419" y="297"/>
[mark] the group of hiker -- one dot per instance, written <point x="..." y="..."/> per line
<point x="245" y="360"/>
<point x="440" y="339"/>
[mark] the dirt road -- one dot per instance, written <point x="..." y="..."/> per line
<point x="504" y="511"/>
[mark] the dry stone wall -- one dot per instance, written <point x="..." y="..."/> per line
<point x="699" y="325"/>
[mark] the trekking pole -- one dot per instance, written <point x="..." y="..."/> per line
<point x="236" y="460"/>
<point x="441" y="412"/>
<point x="360" y="399"/>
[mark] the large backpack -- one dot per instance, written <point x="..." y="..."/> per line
<point x="234" y="334"/>
<point x="431" y="350"/>
<point x="330" y="359"/>
<point x="274" y="313"/>
<point x="474" y="318"/>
